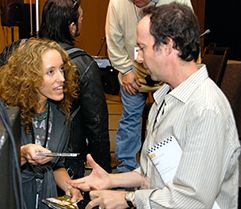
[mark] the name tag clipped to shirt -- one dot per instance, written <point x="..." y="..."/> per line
<point x="166" y="156"/>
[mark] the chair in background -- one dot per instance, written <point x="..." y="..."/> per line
<point x="231" y="86"/>
<point x="215" y="59"/>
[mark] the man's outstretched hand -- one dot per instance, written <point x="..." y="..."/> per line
<point x="96" y="180"/>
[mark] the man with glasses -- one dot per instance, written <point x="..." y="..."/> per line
<point x="121" y="21"/>
<point x="190" y="157"/>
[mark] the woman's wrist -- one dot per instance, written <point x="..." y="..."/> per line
<point x="67" y="188"/>
<point x="23" y="159"/>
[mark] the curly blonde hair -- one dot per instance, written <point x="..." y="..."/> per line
<point x="22" y="76"/>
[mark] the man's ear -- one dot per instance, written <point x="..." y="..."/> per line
<point x="72" y="28"/>
<point x="168" y="47"/>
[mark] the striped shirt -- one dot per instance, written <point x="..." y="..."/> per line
<point x="199" y="116"/>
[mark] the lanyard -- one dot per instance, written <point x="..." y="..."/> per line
<point x="46" y="132"/>
<point x="158" y="112"/>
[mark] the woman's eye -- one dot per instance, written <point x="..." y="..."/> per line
<point x="62" y="69"/>
<point x="50" y="72"/>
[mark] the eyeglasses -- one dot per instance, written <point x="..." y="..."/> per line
<point x="75" y="2"/>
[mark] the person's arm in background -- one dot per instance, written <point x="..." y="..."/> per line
<point x="117" y="51"/>
<point x="7" y="51"/>
<point x="187" y="2"/>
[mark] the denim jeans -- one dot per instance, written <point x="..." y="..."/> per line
<point x="128" y="136"/>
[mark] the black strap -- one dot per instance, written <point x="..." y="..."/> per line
<point x="75" y="52"/>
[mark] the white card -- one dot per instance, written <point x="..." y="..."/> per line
<point x="166" y="156"/>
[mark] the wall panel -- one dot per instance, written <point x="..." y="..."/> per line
<point x="93" y="31"/>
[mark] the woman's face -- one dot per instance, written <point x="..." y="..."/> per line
<point x="53" y="77"/>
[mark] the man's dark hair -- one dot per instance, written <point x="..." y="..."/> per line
<point x="178" y="22"/>
<point x="56" y="17"/>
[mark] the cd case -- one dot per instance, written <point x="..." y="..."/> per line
<point x="64" y="202"/>
<point x="57" y="154"/>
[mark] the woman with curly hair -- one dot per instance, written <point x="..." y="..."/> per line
<point x="40" y="79"/>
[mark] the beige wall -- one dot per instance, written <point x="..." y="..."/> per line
<point x="93" y="28"/>
<point x="93" y="31"/>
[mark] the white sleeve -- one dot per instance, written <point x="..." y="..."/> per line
<point x="117" y="52"/>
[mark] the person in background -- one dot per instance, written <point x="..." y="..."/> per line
<point x="61" y="22"/>
<point x="40" y="79"/>
<point x="190" y="156"/>
<point x="121" y="21"/>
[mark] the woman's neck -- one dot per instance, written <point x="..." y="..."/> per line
<point x="42" y="107"/>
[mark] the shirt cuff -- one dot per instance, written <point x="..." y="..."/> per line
<point x="142" y="198"/>
<point x="128" y="71"/>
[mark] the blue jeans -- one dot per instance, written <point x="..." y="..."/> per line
<point x="128" y="136"/>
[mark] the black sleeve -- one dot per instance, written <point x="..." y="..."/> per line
<point x="93" y="114"/>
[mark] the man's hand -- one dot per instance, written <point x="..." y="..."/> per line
<point x="130" y="83"/>
<point x="107" y="199"/>
<point x="98" y="178"/>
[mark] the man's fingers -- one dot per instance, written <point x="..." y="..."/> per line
<point x="131" y="88"/>
<point x="91" y="162"/>
<point x="77" y="181"/>
<point x="93" y="203"/>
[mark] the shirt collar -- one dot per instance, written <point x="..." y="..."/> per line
<point x="160" y="94"/>
<point x="185" y="89"/>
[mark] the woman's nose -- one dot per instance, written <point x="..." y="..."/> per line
<point x="60" y="76"/>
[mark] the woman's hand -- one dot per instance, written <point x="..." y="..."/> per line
<point x="29" y="154"/>
<point x="75" y="194"/>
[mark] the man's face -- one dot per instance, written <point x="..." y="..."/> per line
<point x="141" y="3"/>
<point x="152" y="59"/>
<point x="78" y="27"/>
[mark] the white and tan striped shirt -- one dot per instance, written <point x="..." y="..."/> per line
<point x="199" y="116"/>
